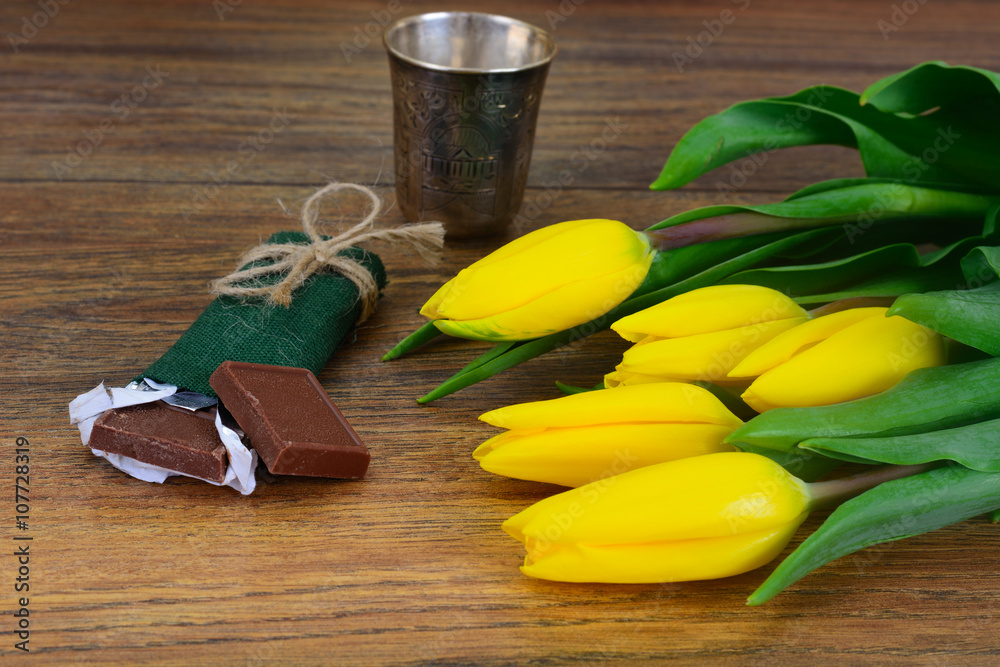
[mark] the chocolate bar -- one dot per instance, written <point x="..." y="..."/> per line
<point x="164" y="436"/>
<point x="291" y="422"/>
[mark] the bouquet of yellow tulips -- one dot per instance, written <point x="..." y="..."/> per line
<point x="669" y="483"/>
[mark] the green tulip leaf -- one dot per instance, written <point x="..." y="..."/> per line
<point x="753" y="127"/>
<point x="838" y="183"/>
<point x="968" y="316"/>
<point x="891" y="511"/>
<point x="805" y="279"/>
<point x="886" y="271"/>
<point x="975" y="446"/>
<point x="927" y="399"/>
<point x="891" y="285"/>
<point x="865" y="210"/>
<point x="935" y="84"/>
<point x="981" y="265"/>
<point x="871" y="271"/>
<point x="951" y="139"/>
<point x="879" y="199"/>
<point x="889" y="144"/>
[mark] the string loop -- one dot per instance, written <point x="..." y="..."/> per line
<point x="298" y="261"/>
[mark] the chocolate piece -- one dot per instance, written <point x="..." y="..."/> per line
<point x="165" y="436"/>
<point x="291" y="422"/>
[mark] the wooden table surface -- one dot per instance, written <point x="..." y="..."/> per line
<point x="118" y="118"/>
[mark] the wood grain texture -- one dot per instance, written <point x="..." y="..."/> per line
<point x="103" y="265"/>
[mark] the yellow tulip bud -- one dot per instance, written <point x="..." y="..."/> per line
<point x="697" y="518"/>
<point x="702" y="334"/>
<point x="548" y="280"/>
<point x="837" y="358"/>
<point x="708" y="357"/>
<point x="707" y="310"/>
<point x="583" y="437"/>
<point x="789" y="343"/>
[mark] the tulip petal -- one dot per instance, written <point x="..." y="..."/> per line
<point x="664" y="402"/>
<point x="619" y="378"/>
<point x="576" y="456"/>
<point x="658" y="562"/>
<point x="536" y="264"/>
<point x="786" y="345"/>
<point x="707" y="357"/>
<point x="864" y="359"/>
<point x="561" y="308"/>
<point x="518" y="245"/>
<point x="715" y="308"/>
<point x="704" y="496"/>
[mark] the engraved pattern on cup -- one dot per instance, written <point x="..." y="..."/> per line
<point x="463" y="143"/>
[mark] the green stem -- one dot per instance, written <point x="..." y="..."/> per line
<point x="807" y="466"/>
<point x="483" y="359"/>
<point x="424" y="334"/>
<point x="736" y="225"/>
<point x="484" y="367"/>
<point x="852" y="302"/>
<point x="836" y="491"/>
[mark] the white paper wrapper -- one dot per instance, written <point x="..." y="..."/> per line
<point x="86" y="408"/>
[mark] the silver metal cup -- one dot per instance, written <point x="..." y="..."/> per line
<point x="466" y="89"/>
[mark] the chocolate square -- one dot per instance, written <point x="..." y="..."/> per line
<point x="291" y="422"/>
<point x="165" y="436"/>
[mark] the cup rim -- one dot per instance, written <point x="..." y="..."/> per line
<point x="400" y="23"/>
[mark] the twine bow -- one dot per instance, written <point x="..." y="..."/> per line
<point x="298" y="261"/>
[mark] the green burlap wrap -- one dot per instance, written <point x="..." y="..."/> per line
<point x="306" y="334"/>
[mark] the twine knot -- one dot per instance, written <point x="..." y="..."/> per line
<point x="298" y="261"/>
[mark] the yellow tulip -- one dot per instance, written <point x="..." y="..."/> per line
<point x="708" y="310"/>
<point x="548" y="280"/>
<point x="702" y="334"/>
<point x="705" y="517"/>
<point x="584" y="437"/>
<point x="836" y="358"/>
<point x="800" y="338"/>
